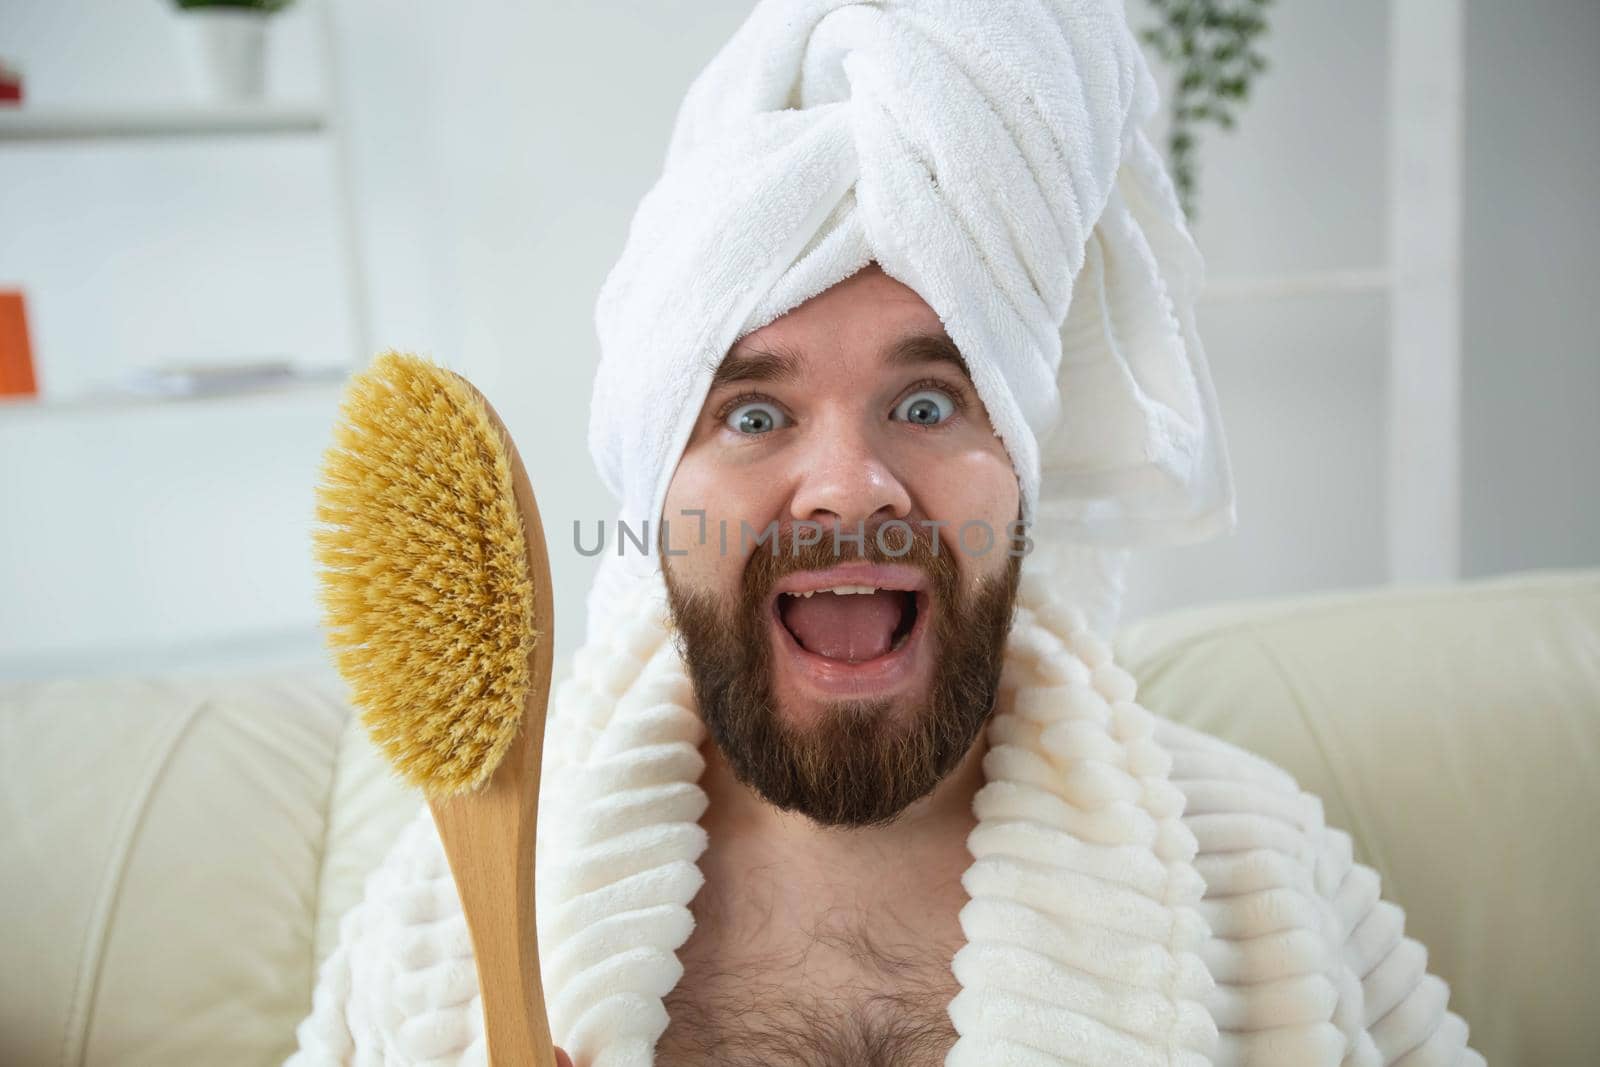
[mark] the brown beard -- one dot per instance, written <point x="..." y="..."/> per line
<point x="860" y="764"/>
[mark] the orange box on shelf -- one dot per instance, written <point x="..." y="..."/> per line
<point x="16" y="354"/>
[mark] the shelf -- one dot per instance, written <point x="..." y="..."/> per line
<point x="65" y="123"/>
<point x="327" y="380"/>
<point x="1226" y="289"/>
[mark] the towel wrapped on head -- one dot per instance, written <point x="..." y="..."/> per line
<point x="988" y="154"/>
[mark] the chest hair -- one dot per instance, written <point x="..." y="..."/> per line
<point x="850" y="994"/>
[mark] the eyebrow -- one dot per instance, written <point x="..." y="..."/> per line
<point x="781" y="363"/>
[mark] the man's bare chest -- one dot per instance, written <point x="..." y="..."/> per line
<point x="853" y="996"/>
<point x="773" y="1020"/>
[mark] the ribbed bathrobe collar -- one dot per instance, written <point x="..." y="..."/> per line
<point x="1082" y="929"/>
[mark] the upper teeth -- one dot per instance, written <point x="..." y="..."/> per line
<point x="842" y="590"/>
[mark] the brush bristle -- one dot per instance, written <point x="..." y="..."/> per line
<point x="426" y="596"/>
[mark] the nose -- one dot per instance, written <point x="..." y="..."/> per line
<point x="843" y="479"/>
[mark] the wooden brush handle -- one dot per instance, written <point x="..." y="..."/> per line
<point x="489" y="835"/>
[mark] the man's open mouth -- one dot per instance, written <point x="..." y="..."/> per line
<point x="850" y="623"/>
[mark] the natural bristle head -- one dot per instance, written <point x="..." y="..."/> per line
<point x="425" y="587"/>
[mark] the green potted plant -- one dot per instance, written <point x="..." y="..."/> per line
<point x="227" y="45"/>
<point x="1213" y="49"/>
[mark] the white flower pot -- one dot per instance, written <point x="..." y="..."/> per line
<point x="227" y="52"/>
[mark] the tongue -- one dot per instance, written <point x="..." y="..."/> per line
<point x="853" y="626"/>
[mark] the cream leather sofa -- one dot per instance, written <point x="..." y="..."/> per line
<point x="177" y="851"/>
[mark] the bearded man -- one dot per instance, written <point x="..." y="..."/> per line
<point x="898" y="360"/>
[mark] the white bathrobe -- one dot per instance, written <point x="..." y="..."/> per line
<point x="1141" y="893"/>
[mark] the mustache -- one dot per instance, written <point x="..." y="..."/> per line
<point x="806" y="545"/>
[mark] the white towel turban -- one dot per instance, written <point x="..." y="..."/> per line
<point x="988" y="154"/>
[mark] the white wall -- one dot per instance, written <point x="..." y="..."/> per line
<point x="1531" y="319"/>
<point x="499" y="152"/>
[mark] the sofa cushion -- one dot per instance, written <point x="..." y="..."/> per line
<point x="1454" y="731"/>
<point x="177" y="852"/>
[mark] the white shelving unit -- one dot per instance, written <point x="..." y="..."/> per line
<point x="60" y="123"/>
<point x="1422" y="282"/>
<point x="312" y="382"/>
<point x="323" y="120"/>
<point x="1284" y="286"/>
<point x="1427" y="101"/>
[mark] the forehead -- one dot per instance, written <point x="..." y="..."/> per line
<point x="781" y="361"/>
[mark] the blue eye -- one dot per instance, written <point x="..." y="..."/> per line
<point x="754" y="419"/>
<point x="926" y="407"/>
